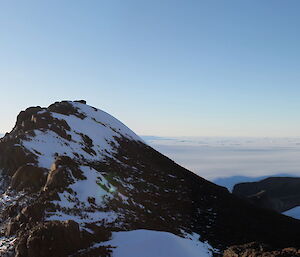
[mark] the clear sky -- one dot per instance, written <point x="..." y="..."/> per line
<point x="169" y="68"/>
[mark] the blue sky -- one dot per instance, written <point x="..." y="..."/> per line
<point x="167" y="68"/>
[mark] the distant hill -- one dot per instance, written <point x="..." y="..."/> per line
<point x="277" y="193"/>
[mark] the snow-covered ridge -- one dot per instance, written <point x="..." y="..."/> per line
<point x="97" y="127"/>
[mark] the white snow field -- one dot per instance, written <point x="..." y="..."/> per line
<point x="148" y="243"/>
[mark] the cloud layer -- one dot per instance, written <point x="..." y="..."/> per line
<point x="215" y="158"/>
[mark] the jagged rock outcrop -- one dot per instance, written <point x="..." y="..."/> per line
<point x="73" y="171"/>
<point x="55" y="238"/>
<point x="28" y="177"/>
<point x="275" y="193"/>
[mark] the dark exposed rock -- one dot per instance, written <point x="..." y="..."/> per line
<point x="58" y="179"/>
<point x="12" y="157"/>
<point x="65" y="108"/>
<point x="61" y="132"/>
<point x="24" y="118"/>
<point x="11" y="228"/>
<point x="63" y="160"/>
<point x="53" y="238"/>
<point x="87" y="140"/>
<point x="245" y="250"/>
<point x="99" y="234"/>
<point x="61" y="174"/>
<point x="10" y="211"/>
<point x="21" y="247"/>
<point x="40" y="118"/>
<point x="80" y="101"/>
<point x="276" y="193"/>
<point x="60" y="238"/>
<point x="33" y="212"/>
<point x="88" y="144"/>
<point x="255" y="249"/>
<point x="100" y="251"/>
<point x="28" y="177"/>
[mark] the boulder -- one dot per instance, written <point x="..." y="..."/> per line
<point x="28" y="177"/>
<point x="11" y="228"/>
<point x="63" y="160"/>
<point x="53" y="238"/>
<point x="58" y="179"/>
<point x="62" y="173"/>
<point x="63" y="107"/>
<point x="33" y="212"/>
<point x="13" y="156"/>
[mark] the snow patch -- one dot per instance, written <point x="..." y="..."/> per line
<point x="94" y="190"/>
<point x="294" y="212"/>
<point x="148" y="243"/>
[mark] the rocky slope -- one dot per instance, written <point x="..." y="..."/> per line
<point x="73" y="177"/>
<point x="275" y="193"/>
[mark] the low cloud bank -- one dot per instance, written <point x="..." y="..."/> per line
<point x="227" y="161"/>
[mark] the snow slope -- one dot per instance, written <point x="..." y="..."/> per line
<point x="95" y="186"/>
<point x="147" y="243"/>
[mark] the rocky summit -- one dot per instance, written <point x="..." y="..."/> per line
<point x="75" y="181"/>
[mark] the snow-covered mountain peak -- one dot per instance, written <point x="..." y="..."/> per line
<point x="70" y="128"/>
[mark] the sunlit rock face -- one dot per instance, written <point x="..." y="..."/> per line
<point x="73" y="171"/>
